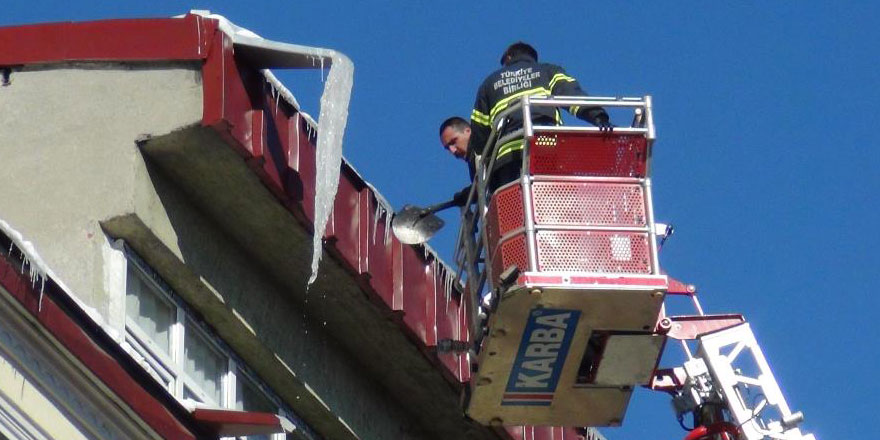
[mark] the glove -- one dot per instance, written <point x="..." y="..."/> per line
<point x="604" y="123"/>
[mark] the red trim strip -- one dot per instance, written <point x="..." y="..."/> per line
<point x="225" y="423"/>
<point x="116" y="40"/>
<point x="593" y="281"/>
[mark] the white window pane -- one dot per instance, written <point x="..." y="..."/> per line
<point x="202" y="363"/>
<point x="152" y="313"/>
<point x="249" y="398"/>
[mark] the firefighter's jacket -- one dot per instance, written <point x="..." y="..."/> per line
<point x="522" y="76"/>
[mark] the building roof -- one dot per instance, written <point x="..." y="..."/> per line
<point x="404" y="292"/>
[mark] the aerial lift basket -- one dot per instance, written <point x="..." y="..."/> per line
<point x="571" y="335"/>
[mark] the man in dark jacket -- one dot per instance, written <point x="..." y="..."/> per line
<point x="522" y="75"/>
<point x="455" y="134"/>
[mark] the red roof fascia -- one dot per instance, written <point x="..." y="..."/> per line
<point x="107" y="40"/>
<point x="227" y="423"/>
<point x="83" y="342"/>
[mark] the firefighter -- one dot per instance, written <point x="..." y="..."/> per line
<point x="521" y="74"/>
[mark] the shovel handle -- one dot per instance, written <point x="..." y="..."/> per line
<point x="438" y="207"/>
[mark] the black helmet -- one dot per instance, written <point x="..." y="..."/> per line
<point x="520" y="47"/>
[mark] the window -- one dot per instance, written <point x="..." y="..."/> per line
<point x="151" y="327"/>
<point x="203" y="367"/>
<point x="152" y="314"/>
<point x="183" y="353"/>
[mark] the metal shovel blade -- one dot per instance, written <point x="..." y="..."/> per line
<point x="414" y="225"/>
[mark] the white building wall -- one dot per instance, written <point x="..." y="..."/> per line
<point x="69" y="160"/>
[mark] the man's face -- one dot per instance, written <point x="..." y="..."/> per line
<point x="455" y="141"/>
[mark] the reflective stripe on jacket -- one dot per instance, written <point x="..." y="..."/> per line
<point x="522" y="76"/>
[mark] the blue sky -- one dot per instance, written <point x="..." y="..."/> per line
<point x="766" y="158"/>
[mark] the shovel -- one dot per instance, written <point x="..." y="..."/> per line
<point x="414" y="225"/>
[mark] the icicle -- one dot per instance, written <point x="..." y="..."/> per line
<point x="448" y="286"/>
<point x="446" y="296"/>
<point x="290" y="163"/>
<point x="39" y="271"/>
<point x="376" y="215"/>
<point x="276" y="95"/>
<point x="36" y="268"/>
<point x="386" y="209"/>
<point x="333" y="117"/>
<point x="388" y="231"/>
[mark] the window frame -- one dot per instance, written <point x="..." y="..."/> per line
<point x="169" y="369"/>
